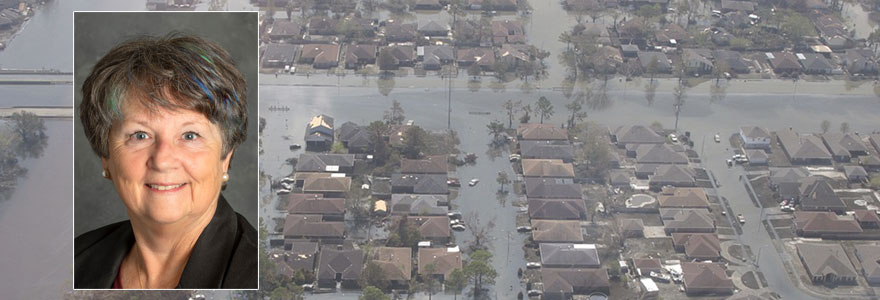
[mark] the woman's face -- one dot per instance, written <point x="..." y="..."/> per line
<point x="166" y="164"/>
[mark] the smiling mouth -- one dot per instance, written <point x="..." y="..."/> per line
<point x="165" y="187"/>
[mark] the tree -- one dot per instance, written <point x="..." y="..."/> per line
<point x="373" y="293"/>
<point x="720" y="70"/>
<point x="575" y="108"/>
<point x="428" y="279"/>
<point x="844" y="127"/>
<point x="386" y="60"/>
<point x="649" y="11"/>
<point x="502" y="179"/>
<point x="414" y="142"/>
<point x="679" y="95"/>
<point x="874" y="38"/>
<point x="456" y="282"/>
<point x="394" y="115"/>
<point x="30" y="131"/>
<point x="405" y="235"/>
<point x="796" y="27"/>
<point x="480" y="269"/>
<point x="378" y="145"/>
<point x="650" y="92"/>
<point x="495" y="128"/>
<point x="511" y="108"/>
<point x="10" y="170"/>
<point x="544" y="108"/>
<point x="825" y="126"/>
<point x="527" y="111"/>
<point x="474" y="70"/>
<point x="653" y="67"/>
<point x="717" y="93"/>
<point x="481" y="233"/>
<point x="373" y="275"/>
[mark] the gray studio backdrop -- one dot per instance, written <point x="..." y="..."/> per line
<point x="96" y="202"/>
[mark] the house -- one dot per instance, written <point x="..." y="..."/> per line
<point x="705" y="278"/>
<point x="844" y="146"/>
<point x="313" y="228"/>
<point x="683" y="198"/>
<point x="644" y="266"/>
<point x="500" y="5"/>
<point x="816" y="64"/>
<point x="397" y="56"/>
<point x="582" y="5"/>
<point x="552" y="188"/>
<point x="381" y="188"/>
<point x="279" y="55"/>
<point x="395" y="263"/>
<point x="860" y="61"/>
<point x="330" y="187"/>
<point x="322" y="25"/>
<point x="433" y="29"/>
<point x="444" y="260"/>
<point x="697" y="61"/>
<point x="700" y="246"/>
<point x="784" y="62"/>
<point x="733" y="60"/>
<point x="320" y="56"/>
<point x="597" y="31"/>
<point x="553" y="168"/>
<point x="672" y="175"/>
<point x="568" y="255"/>
<point x="400" y="33"/>
<point x="419" y="184"/>
<point x="541" y="132"/>
<point x="556" y="231"/>
<point x="435" y="57"/>
<point x="286" y="30"/>
<point x="803" y="149"/>
<point x="298" y="256"/>
<point x="332" y="209"/>
<point x="557" y="209"/>
<point x="629" y="50"/>
<point x="672" y="35"/>
<point x="787" y="175"/>
<point x="483" y="57"/>
<point x="560" y="284"/>
<point x="875" y="140"/>
<point x="428" y="4"/>
<point x="433" y="164"/>
<point x="869" y="258"/>
<point x="855" y="173"/>
<point x="755" y="137"/>
<point x="689" y="220"/>
<point x="826" y="263"/>
<point x="415" y="204"/>
<point x="469" y="33"/>
<point x="432" y="228"/>
<point x="507" y="32"/>
<point x="733" y="5"/>
<point x="619" y="179"/>
<point x="833" y="32"/>
<point x="656" y="60"/>
<point x="561" y="150"/>
<point x="357" y="56"/>
<point x="355" y="138"/>
<point x="318" y="162"/>
<point x="659" y="154"/>
<point x="336" y="265"/>
<point x="635" y="134"/>
<point x="870" y="163"/>
<point x="867" y="218"/>
<point x="515" y="55"/>
<point x="824" y="224"/>
<point x="319" y="132"/>
<point x="631" y="228"/>
<point x="818" y="195"/>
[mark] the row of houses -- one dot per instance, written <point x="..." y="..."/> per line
<point x="829" y="263"/>
<point x="814" y="149"/>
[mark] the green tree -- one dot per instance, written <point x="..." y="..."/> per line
<point x="844" y="127"/>
<point x="414" y="142"/>
<point x="394" y="115"/>
<point x="511" y="108"/>
<point x="480" y="269"/>
<point x="495" y="129"/>
<point x="544" y="108"/>
<point x="378" y="145"/>
<point x="373" y="293"/>
<point x="373" y="275"/>
<point x="30" y="131"/>
<point x="10" y="170"/>
<point x="456" y="282"/>
<point x="502" y="179"/>
<point x="719" y="70"/>
<point x="386" y="60"/>
<point x="474" y="70"/>
<point x="825" y="125"/>
<point x="797" y="27"/>
<point x="428" y="280"/>
<point x="649" y="11"/>
<point x="527" y="111"/>
<point x="576" y="110"/>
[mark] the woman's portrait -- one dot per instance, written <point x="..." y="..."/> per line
<point x="164" y="115"/>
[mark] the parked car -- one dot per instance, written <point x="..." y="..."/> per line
<point x="673" y="138"/>
<point x="514" y="157"/>
<point x="660" y="277"/>
<point x="534" y="293"/>
<point x="717" y="138"/>
<point x="283" y="191"/>
<point x="533" y="265"/>
<point x="308" y="287"/>
<point x="453" y="182"/>
<point x="524" y="228"/>
<point x="454" y="215"/>
<point x="741" y="219"/>
<point x="473" y="182"/>
<point x="454" y="222"/>
<point x="458" y="227"/>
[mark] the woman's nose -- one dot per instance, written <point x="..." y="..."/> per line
<point x="164" y="155"/>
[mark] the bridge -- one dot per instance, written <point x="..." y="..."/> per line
<point x="55" y="112"/>
<point x="34" y="77"/>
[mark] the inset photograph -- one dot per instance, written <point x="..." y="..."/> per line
<point x="165" y="150"/>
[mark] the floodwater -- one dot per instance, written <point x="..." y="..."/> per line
<point x="857" y="17"/>
<point x="35" y="223"/>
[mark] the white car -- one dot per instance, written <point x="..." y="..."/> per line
<point x="473" y="182"/>
<point x="673" y="138"/>
<point x="458" y="227"/>
<point x="741" y="219"/>
<point x="717" y="138"/>
<point x="533" y="265"/>
<point x="533" y="293"/>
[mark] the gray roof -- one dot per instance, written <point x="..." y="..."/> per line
<point x="418" y="204"/>
<point x="280" y="53"/>
<point x="755" y="132"/>
<point x="821" y="259"/>
<point x="646" y="57"/>
<point x="400" y="32"/>
<point x="349" y="263"/>
<point x="637" y="134"/>
<point x="558" y="209"/>
<point x="438" y="54"/>
<point x="565" y="281"/>
<point x="846" y="141"/>
<point x="422" y="183"/>
<point x="690" y="219"/>
<point x="546" y="149"/>
<point x="787" y="175"/>
<point x="869" y="257"/>
<point x="673" y="174"/>
<point x="537" y="187"/>
<point x="802" y="147"/>
<point x="659" y="154"/>
<point x="568" y="255"/>
<point x="313" y="162"/>
<point x="854" y="171"/>
<point x="733" y="59"/>
<point x="817" y="194"/>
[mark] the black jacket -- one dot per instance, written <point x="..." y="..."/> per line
<point x="224" y="256"/>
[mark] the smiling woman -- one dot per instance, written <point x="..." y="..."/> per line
<point x="166" y="115"/>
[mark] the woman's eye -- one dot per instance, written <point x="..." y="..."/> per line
<point x="140" y="135"/>
<point x="189" y="136"/>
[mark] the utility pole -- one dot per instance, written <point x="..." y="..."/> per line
<point x="449" y="103"/>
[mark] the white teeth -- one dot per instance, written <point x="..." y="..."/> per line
<point x="165" y="187"/>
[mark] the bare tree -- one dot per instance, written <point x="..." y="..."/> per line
<point x="480" y="232"/>
<point x="511" y="108"/>
<point x="679" y="94"/>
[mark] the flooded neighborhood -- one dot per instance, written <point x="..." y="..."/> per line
<point x="517" y="149"/>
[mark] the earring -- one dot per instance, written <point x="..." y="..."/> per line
<point x="225" y="177"/>
<point x="105" y="174"/>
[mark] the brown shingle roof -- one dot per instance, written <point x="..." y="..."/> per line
<point x="560" y="209"/>
<point x="705" y="276"/>
<point x="444" y="261"/>
<point x="554" y="231"/>
<point x="435" y="164"/>
<point x="431" y="226"/>
<point x="395" y="262"/>
<point x="824" y="222"/>
<point x="698" y="245"/>
<point x="568" y="281"/>
<point x="538" y="131"/>
<point x="314" y="204"/>
<point x="327" y="184"/>
<point x="312" y="226"/>
<point x="684" y="198"/>
<point x="547" y="168"/>
<point x="821" y="259"/>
